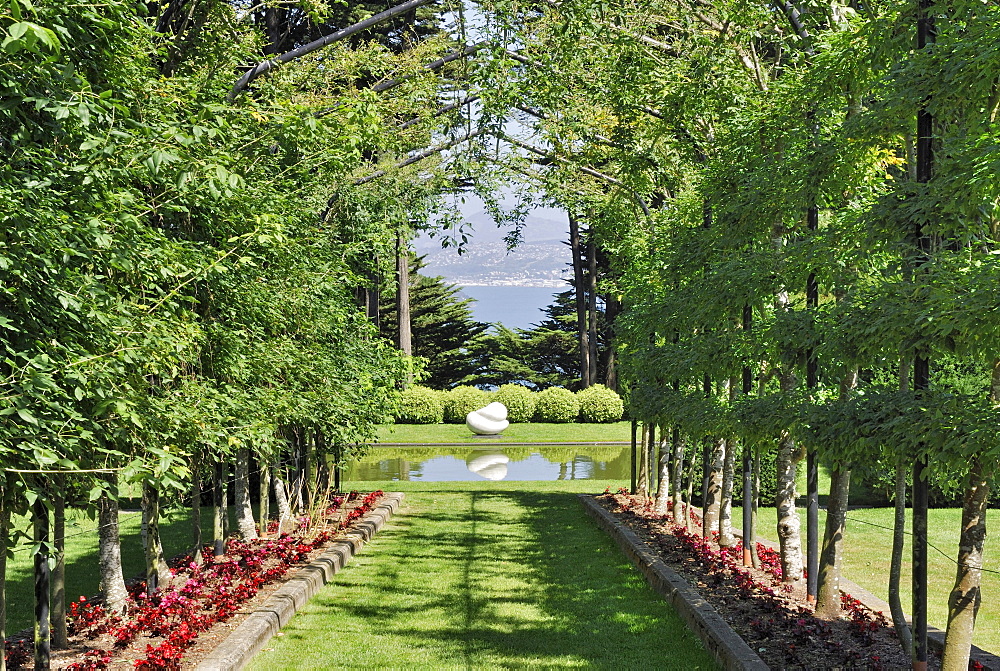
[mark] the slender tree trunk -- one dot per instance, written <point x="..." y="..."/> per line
<point x="754" y="507"/>
<point x="899" y="622"/>
<point x="592" y="302"/>
<point x="4" y="543"/>
<point x="633" y="458"/>
<point x="966" y="597"/>
<point x="244" y="512"/>
<point x="690" y="495"/>
<point x="43" y="548"/>
<point x="264" y="502"/>
<point x="663" y="481"/>
<point x="196" y="535"/>
<point x="789" y="538"/>
<point x="157" y="573"/>
<point x="109" y="552"/>
<point x="643" y="484"/>
<point x="652" y="469"/>
<point x="713" y="502"/>
<point x="678" y="446"/>
<point x="219" y="509"/>
<point x="404" y="338"/>
<point x="60" y="636"/>
<point x="280" y="498"/>
<point x="726" y="537"/>
<point x="581" y="302"/>
<point x="828" y="583"/>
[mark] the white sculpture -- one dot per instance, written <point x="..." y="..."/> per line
<point x="489" y="420"/>
<point x="491" y="464"/>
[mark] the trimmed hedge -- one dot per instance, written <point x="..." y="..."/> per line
<point x="520" y="402"/>
<point x="420" y="405"/>
<point x="463" y="400"/>
<point x="557" y="405"/>
<point x="598" y="404"/>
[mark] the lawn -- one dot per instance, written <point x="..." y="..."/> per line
<point x="487" y="575"/>
<point x="534" y="432"/>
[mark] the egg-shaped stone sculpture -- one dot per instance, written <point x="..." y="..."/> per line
<point x="489" y="420"/>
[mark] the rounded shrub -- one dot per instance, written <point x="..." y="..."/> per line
<point x="556" y="404"/>
<point x="463" y="400"/>
<point x="599" y="404"/>
<point x="520" y="402"/>
<point x="420" y="405"/>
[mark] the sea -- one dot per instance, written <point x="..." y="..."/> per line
<point x="514" y="307"/>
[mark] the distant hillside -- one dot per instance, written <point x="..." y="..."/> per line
<point x="532" y="264"/>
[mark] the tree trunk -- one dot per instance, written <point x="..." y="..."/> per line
<point x="280" y="498"/>
<point x="828" y="580"/>
<point x="219" y="509"/>
<point x="690" y="495"/>
<point x="713" y="501"/>
<point x="244" y="513"/>
<point x="264" y="501"/>
<point x="651" y="469"/>
<point x="581" y="302"/>
<point x="899" y="622"/>
<point x="726" y="537"/>
<point x="43" y="548"/>
<point x="592" y="304"/>
<point x="4" y="544"/>
<point x="678" y="447"/>
<point x="633" y="458"/>
<point x="404" y="337"/>
<point x="965" y="598"/>
<point x="754" y="507"/>
<point x="196" y="535"/>
<point x="60" y="637"/>
<point x="789" y="538"/>
<point x="643" y="482"/>
<point x="110" y="553"/>
<point x="157" y="573"/>
<point x="663" y="481"/>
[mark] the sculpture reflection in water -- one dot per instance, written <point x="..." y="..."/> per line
<point x="490" y="463"/>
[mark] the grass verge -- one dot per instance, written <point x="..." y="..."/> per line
<point x="487" y="575"/>
<point x="534" y="432"/>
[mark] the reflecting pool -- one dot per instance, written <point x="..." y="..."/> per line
<point x="534" y="462"/>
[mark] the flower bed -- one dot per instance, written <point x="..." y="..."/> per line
<point x="159" y="629"/>
<point x="770" y="615"/>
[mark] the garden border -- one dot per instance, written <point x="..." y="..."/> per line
<point x="252" y="634"/>
<point x="720" y="640"/>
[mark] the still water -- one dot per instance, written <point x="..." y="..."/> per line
<point x="442" y="464"/>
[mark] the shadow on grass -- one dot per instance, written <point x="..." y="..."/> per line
<point x="489" y="578"/>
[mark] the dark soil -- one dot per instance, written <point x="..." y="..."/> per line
<point x="773" y="617"/>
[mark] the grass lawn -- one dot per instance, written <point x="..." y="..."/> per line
<point x="517" y="433"/>
<point x="487" y="575"/>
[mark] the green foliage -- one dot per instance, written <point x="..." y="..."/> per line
<point x="598" y="404"/>
<point x="462" y="400"/>
<point x="420" y="405"/>
<point x="519" y="400"/>
<point x="556" y="404"/>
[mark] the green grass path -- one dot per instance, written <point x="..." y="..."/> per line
<point x="487" y="575"/>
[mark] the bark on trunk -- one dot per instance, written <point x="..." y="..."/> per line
<point x="663" y="481"/>
<point x="280" y="498"/>
<point x="60" y="635"/>
<point x="219" y="509"/>
<point x="651" y="467"/>
<point x="965" y="598"/>
<point x="643" y="484"/>
<point x="754" y="506"/>
<point x="157" y="573"/>
<point x="896" y="563"/>
<point x="196" y="535"/>
<point x="678" y="446"/>
<point x="789" y="538"/>
<point x="110" y="553"/>
<point x="592" y="304"/>
<point x="42" y="533"/>
<point x="404" y="337"/>
<point x="690" y="495"/>
<point x="264" y="501"/>
<point x="713" y="500"/>
<point x="581" y="301"/>
<point x="726" y="537"/>
<point x="828" y="584"/>
<point x="244" y="513"/>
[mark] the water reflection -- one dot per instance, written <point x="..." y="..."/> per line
<point x="438" y="464"/>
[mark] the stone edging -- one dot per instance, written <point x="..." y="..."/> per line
<point x="720" y="640"/>
<point x="264" y="622"/>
